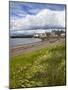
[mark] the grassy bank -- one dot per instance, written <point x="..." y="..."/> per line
<point x="44" y="67"/>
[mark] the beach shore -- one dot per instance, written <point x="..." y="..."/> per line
<point x="18" y="50"/>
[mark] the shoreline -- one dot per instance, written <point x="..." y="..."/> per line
<point x="13" y="47"/>
<point x="18" y="50"/>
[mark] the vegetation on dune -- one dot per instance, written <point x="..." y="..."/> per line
<point x="44" y="67"/>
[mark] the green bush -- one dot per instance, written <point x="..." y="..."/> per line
<point x="44" y="67"/>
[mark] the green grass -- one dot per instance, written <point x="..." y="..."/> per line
<point x="44" y="67"/>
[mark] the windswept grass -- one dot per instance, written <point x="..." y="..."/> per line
<point x="44" y="67"/>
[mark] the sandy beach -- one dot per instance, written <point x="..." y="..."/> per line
<point x="34" y="46"/>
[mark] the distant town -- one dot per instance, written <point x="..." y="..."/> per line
<point x="53" y="33"/>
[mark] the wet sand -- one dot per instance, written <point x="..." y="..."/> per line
<point x="34" y="46"/>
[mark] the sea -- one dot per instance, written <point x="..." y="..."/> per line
<point x="13" y="42"/>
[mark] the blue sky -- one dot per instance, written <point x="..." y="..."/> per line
<point x="31" y="15"/>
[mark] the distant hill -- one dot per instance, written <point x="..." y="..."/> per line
<point x="31" y="32"/>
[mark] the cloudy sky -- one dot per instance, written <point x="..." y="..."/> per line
<point x="28" y="16"/>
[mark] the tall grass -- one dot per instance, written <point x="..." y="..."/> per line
<point x="44" y="67"/>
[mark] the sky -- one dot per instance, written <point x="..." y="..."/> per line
<point x="33" y="16"/>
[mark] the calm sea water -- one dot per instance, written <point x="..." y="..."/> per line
<point x="21" y="41"/>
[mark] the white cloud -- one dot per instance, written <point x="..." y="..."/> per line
<point x="43" y="18"/>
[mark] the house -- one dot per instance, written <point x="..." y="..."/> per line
<point x="39" y="35"/>
<point x="36" y="35"/>
<point x="63" y="35"/>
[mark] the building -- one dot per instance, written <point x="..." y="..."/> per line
<point x="39" y="35"/>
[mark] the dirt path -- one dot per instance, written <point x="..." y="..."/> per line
<point x="34" y="46"/>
